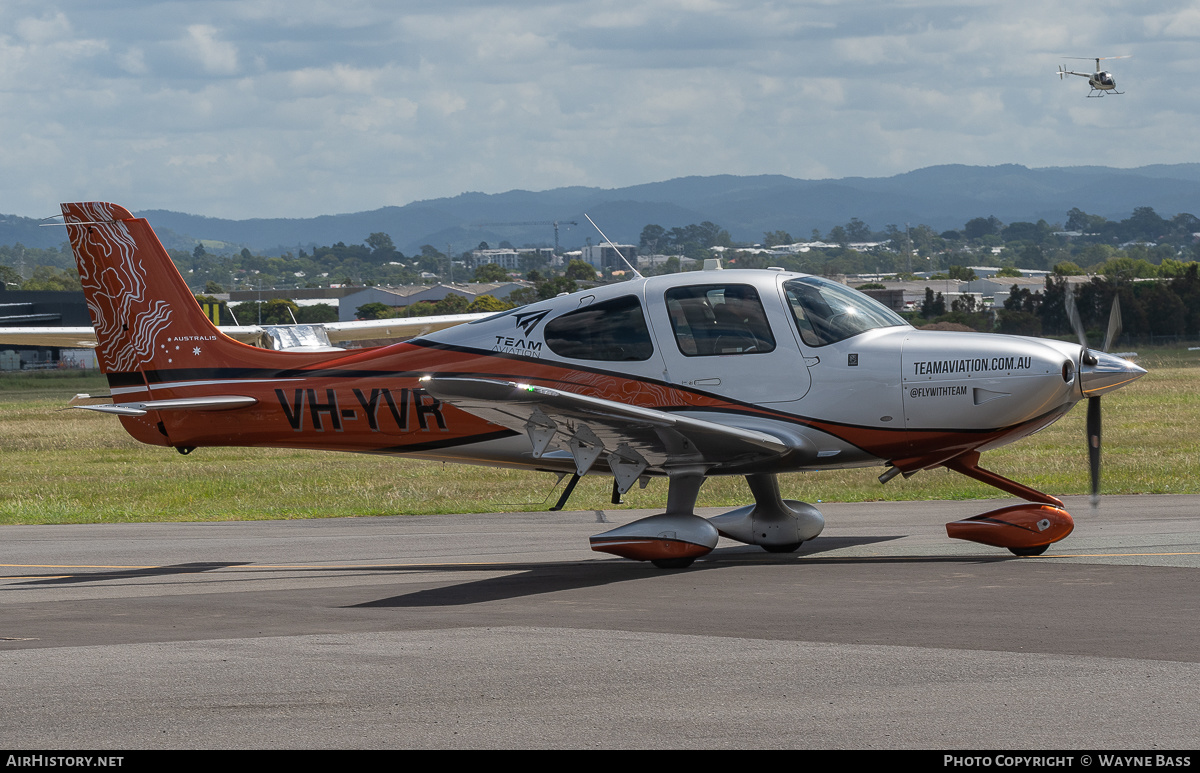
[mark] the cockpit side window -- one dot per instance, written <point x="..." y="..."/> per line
<point x="718" y="319"/>
<point x="613" y="330"/>
<point x="827" y="312"/>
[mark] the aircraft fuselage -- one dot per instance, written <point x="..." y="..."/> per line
<point x="888" y="393"/>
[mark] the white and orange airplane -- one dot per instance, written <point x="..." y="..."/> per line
<point x="750" y="373"/>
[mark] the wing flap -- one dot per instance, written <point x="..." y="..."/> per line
<point x="555" y="419"/>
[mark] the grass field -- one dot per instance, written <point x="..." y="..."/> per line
<point x="67" y="466"/>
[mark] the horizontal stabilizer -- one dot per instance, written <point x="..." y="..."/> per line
<point x="215" y="403"/>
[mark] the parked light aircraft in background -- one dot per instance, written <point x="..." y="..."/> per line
<point x="687" y="376"/>
<point x="318" y="336"/>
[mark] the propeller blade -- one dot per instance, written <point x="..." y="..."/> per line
<point x="1093" y="440"/>
<point x="1114" y="323"/>
<point x="1086" y="357"/>
<point x="1073" y="316"/>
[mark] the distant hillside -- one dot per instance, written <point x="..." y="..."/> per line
<point x="943" y="197"/>
<point x="27" y="231"/>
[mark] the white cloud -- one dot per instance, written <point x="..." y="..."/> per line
<point x="1182" y="23"/>
<point x="216" y="56"/>
<point x="338" y="78"/>
<point x="265" y="107"/>
<point x="43" y="30"/>
<point x="133" y="61"/>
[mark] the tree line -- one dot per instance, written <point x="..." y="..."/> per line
<point x="1144" y="245"/>
<point x="1149" y="309"/>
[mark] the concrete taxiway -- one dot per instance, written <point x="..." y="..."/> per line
<point x="505" y="630"/>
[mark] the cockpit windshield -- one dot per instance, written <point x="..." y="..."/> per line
<point x="827" y="312"/>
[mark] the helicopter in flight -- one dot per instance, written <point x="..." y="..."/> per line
<point x="1100" y="81"/>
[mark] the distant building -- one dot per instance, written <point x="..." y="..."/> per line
<point x="991" y="291"/>
<point x="893" y="299"/>
<point x="546" y="253"/>
<point x="608" y="255"/>
<point x="998" y="287"/>
<point x="44" y="308"/>
<point x="509" y="260"/>
<point x="987" y="272"/>
<point x="654" y="261"/>
<point x="328" y="295"/>
<point x="407" y="296"/>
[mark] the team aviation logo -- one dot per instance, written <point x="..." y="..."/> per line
<point x="529" y="320"/>
<point x="521" y="346"/>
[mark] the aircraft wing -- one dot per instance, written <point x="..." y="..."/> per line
<point x="63" y="337"/>
<point x="635" y="438"/>
<point x="85" y="337"/>
<point x="279" y="337"/>
<point x="399" y="328"/>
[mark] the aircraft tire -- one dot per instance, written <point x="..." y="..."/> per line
<point x="1029" y="551"/>
<point x="672" y="563"/>
<point x="789" y="548"/>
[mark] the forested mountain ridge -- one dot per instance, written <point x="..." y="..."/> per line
<point x="942" y="197"/>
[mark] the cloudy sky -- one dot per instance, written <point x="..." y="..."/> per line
<point x="267" y="108"/>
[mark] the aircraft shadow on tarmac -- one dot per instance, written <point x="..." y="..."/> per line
<point x="132" y="574"/>
<point x="532" y="579"/>
<point x="540" y="578"/>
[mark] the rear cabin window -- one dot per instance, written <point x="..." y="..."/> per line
<point x="718" y="319"/>
<point x="614" y="331"/>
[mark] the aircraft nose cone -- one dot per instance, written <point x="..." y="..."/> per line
<point x="1107" y="375"/>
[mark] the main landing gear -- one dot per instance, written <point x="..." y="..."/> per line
<point x="676" y="538"/>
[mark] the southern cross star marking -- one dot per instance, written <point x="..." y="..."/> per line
<point x="196" y="350"/>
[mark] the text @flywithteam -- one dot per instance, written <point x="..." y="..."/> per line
<point x="1066" y="761"/>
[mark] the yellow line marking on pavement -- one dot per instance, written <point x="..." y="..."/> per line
<point x="36" y="576"/>
<point x="1118" y="555"/>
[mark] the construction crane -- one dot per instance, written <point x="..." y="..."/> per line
<point x="554" y="223"/>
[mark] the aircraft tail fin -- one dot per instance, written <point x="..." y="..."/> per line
<point x="146" y="318"/>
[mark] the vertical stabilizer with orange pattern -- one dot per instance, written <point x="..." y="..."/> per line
<point x="135" y="294"/>
<point x="151" y="333"/>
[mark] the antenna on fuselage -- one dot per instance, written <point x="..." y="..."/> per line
<point x="637" y="273"/>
